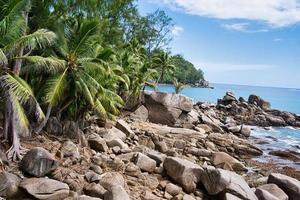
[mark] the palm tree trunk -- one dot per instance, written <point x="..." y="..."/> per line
<point x="44" y="122"/>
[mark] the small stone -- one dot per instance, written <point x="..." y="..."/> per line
<point x="69" y="149"/>
<point x="173" y="189"/>
<point x="145" y="163"/>
<point x="97" y="143"/>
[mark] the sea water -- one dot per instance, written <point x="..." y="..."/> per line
<point x="287" y="99"/>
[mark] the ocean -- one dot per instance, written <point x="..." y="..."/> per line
<point x="288" y="99"/>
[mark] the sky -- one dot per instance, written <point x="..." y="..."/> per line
<point x="246" y="42"/>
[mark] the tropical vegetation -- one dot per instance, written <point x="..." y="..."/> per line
<point x="70" y="59"/>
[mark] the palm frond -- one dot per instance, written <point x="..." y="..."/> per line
<point x="16" y="86"/>
<point x="37" y="40"/>
<point x="43" y="64"/>
<point x="3" y="59"/>
<point x="55" y="88"/>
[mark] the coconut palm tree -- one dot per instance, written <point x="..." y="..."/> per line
<point x="178" y="86"/>
<point x="86" y="81"/>
<point x="17" y="45"/>
<point x="162" y="61"/>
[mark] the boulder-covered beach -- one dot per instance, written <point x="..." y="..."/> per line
<point x="165" y="148"/>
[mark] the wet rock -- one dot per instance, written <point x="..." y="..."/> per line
<point x="116" y="192"/>
<point x="270" y="192"/>
<point x="9" y="185"/>
<point x="288" y="184"/>
<point x="165" y="108"/>
<point x="97" y="143"/>
<point x="45" y="188"/>
<point x="225" y="161"/>
<point x="140" y="114"/>
<point x="217" y="181"/>
<point x="38" y="162"/>
<point x="290" y="155"/>
<point x="144" y="162"/>
<point x="184" y="172"/>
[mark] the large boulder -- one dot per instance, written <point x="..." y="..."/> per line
<point x="9" y="184"/>
<point x="256" y="100"/>
<point x="219" y="181"/>
<point x="270" y="192"/>
<point x="38" y="162"/>
<point x="140" y="114"/>
<point x="45" y="188"/>
<point x="184" y="172"/>
<point x="225" y="161"/>
<point x="165" y="108"/>
<point x="288" y="184"/>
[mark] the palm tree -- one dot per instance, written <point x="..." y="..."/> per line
<point x="163" y="62"/>
<point x="86" y="81"/>
<point x="16" y="47"/>
<point x="178" y="86"/>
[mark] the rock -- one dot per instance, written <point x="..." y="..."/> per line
<point x="270" y="192"/>
<point x="225" y="161"/>
<point x="147" y="195"/>
<point x="229" y="196"/>
<point x="245" y="131"/>
<point x="124" y="127"/>
<point x="144" y="162"/>
<point x="256" y="100"/>
<point x="227" y="99"/>
<point x="188" y="197"/>
<point x="173" y="189"/>
<point x="140" y="114"/>
<point x="113" y="133"/>
<point x="38" y="162"/>
<point x="184" y="172"/>
<point x="91" y="176"/>
<point x="110" y="179"/>
<point x="286" y="154"/>
<point x="157" y="156"/>
<point x="54" y="126"/>
<point x="45" y="188"/>
<point x="116" y="192"/>
<point x="217" y="181"/>
<point x="97" y="143"/>
<point x="71" y="129"/>
<point x="84" y="197"/>
<point x="69" y="149"/>
<point x="95" y="190"/>
<point x="9" y="185"/>
<point x="117" y="142"/>
<point x="275" y="121"/>
<point x="165" y="108"/>
<point x="288" y="184"/>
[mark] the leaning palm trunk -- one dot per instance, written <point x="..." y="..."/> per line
<point x="44" y="122"/>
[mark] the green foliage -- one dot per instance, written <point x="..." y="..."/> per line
<point x="185" y="71"/>
<point x="178" y="86"/>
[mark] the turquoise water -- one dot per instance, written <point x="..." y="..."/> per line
<point x="280" y="98"/>
<point x="284" y="138"/>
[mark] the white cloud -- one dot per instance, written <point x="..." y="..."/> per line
<point x="242" y="27"/>
<point x="277" y="40"/>
<point x="177" y="30"/>
<point x="276" y="13"/>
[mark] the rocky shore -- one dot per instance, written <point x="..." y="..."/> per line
<point x="166" y="148"/>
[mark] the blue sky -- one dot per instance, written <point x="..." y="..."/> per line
<point x="244" y="42"/>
